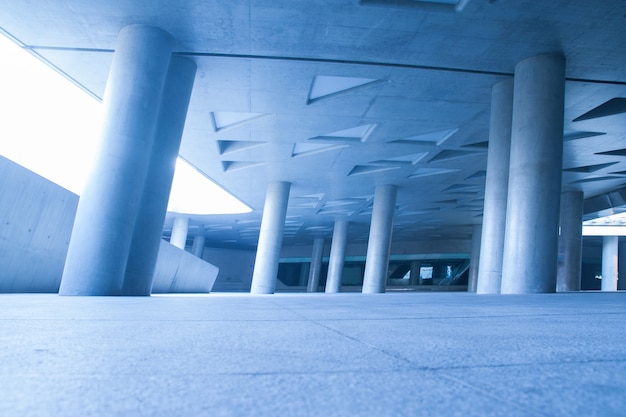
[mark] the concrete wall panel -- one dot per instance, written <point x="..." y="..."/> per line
<point x="36" y="219"/>
<point x="178" y="271"/>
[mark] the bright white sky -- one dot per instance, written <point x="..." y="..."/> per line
<point x="50" y="126"/>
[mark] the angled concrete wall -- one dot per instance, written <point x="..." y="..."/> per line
<point x="36" y="217"/>
<point x="178" y="271"/>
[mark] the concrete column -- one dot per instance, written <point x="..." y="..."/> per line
<point x="107" y="210"/>
<point x="496" y="189"/>
<point x="337" y="256"/>
<point x="621" y="283"/>
<point x="180" y="228"/>
<point x="379" y="243"/>
<point x="304" y="274"/>
<point x="609" y="263"/>
<point x="570" y="242"/>
<point x="532" y="218"/>
<point x="414" y="276"/>
<point x="316" y="265"/>
<point x="146" y="240"/>
<point x="474" y="258"/>
<point x="198" y="246"/>
<point x="270" y="239"/>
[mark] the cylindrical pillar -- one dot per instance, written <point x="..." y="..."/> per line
<point x="532" y="218"/>
<point x="474" y="258"/>
<point x="316" y="265"/>
<point x="609" y="263"/>
<point x="621" y="271"/>
<point x="270" y="239"/>
<point x="107" y="210"/>
<point x="414" y="276"/>
<point x="570" y="242"/>
<point x="337" y="256"/>
<point x="198" y="245"/>
<point x="146" y="240"/>
<point x="379" y="243"/>
<point x="496" y="189"/>
<point x="180" y="229"/>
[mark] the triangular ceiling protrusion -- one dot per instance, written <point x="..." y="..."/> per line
<point x="594" y="179"/>
<point x="590" y="168"/>
<point x="617" y="152"/>
<point x="573" y="135"/>
<point x="424" y="5"/>
<point x="370" y="169"/>
<point x="345" y="202"/>
<point x="448" y="154"/>
<point x="411" y="159"/>
<point x="478" y="145"/>
<point x="336" y="211"/>
<point x="432" y="138"/>
<point x="229" y="166"/>
<point x="477" y="174"/>
<point x="350" y="135"/>
<point x="463" y="187"/>
<point x="303" y="148"/>
<point x="613" y="106"/>
<point x="228" y="146"/>
<point x="425" y="172"/>
<point x="454" y="202"/>
<point x="326" y="86"/>
<point x="221" y="120"/>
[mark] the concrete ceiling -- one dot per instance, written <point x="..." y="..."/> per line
<point x="337" y="96"/>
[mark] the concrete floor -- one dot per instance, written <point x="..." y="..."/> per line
<point x="407" y="354"/>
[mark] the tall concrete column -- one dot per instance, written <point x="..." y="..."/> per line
<point x="532" y="218"/>
<point x="474" y="258"/>
<point x="496" y="189"/>
<point x="198" y="246"/>
<point x="316" y="265"/>
<point x="621" y="271"/>
<point x="570" y="242"/>
<point x="609" y="263"/>
<point x="146" y="240"/>
<point x="414" y="276"/>
<point x="379" y="243"/>
<point x="270" y="239"/>
<point x="180" y="229"/>
<point x="304" y="274"/>
<point x="337" y="256"/>
<point x="107" y="210"/>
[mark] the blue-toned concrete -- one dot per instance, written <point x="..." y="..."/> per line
<point x="442" y="354"/>
<point x="108" y="207"/>
<point x="144" y="248"/>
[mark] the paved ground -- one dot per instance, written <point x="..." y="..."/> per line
<point x="409" y="354"/>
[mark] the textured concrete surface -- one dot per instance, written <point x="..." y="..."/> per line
<point x="408" y="354"/>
